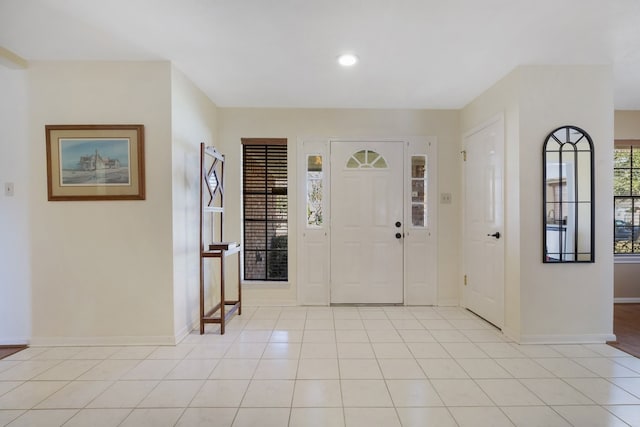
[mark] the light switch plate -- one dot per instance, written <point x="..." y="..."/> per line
<point x="445" y="198"/>
<point x="8" y="189"/>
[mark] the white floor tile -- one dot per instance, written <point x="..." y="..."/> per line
<point x="98" y="418"/>
<point x="442" y="369"/>
<point x="152" y="417"/>
<point x="207" y="417"/>
<point x="317" y="417"/>
<point x="76" y="394"/>
<point x="192" y="369"/>
<point x="318" y="369"/>
<point x="483" y="368"/>
<point x="400" y="369"/>
<point x="627" y="413"/>
<point x="556" y="392"/>
<point x="150" y="370"/>
<point x="269" y="394"/>
<point x="276" y="369"/>
<point x="263" y="417"/>
<point x="43" y="418"/>
<point x="359" y="369"/>
<point x="172" y="394"/>
<point x="602" y="391"/>
<point x="481" y="417"/>
<point x="234" y="369"/>
<point x="365" y="393"/>
<point x="123" y="394"/>
<point x="326" y="366"/>
<point x="524" y="368"/>
<point x="220" y="394"/>
<point x="352" y="350"/>
<point x="534" y="416"/>
<point x="428" y="350"/>
<point x="317" y="394"/>
<point x="509" y="393"/>
<point x="409" y="393"/>
<point x="461" y="393"/>
<point x="421" y="417"/>
<point x="29" y="394"/>
<point x="589" y="416"/>
<point x="367" y="417"/>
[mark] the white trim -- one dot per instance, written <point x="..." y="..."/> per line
<point x="101" y="341"/>
<point x="448" y="302"/>
<point x="634" y="300"/>
<point x="626" y="259"/>
<point x="14" y="341"/>
<point x="567" y="339"/>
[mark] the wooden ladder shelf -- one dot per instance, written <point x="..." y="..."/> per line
<point x="212" y="206"/>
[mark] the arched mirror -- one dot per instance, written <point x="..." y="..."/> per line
<point x="567" y="181"/>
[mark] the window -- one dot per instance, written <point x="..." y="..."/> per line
<point x="626" y="198"/>
<point x="264" y="173"/>
<point x="314" y="191"/>
<point x="419" y="191"/>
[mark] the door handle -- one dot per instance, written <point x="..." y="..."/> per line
<point x="398" y="235"/>
<point x="496" y="235"/>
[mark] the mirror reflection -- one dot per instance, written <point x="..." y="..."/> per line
<point x="568" y="196"/>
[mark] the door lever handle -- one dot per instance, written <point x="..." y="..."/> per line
<point x="496" y="235"/>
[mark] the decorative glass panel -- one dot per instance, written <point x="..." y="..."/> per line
<point x="419" y="191"/>
<point x="366" y="159"/>
<point x="314" y="191"/>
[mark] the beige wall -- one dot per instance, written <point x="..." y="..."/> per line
<point x="102" y="272"/>
<point x="193" y="120"/>
<point x="15" y="320"/>
<point x="626" y="275"/>
<point x="552" y="303"/>
<point x="295" y="125"/>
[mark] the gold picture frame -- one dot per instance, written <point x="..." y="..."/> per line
<point x="95" y="162"/>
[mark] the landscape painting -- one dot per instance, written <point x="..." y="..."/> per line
<point x="95" y="162"/>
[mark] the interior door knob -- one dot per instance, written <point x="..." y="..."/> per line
<point x="496" y="235"/>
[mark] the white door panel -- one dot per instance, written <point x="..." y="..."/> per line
<point x="484" y="207"/>
<point x="366" y="256"/>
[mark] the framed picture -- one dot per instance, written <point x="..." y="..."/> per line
<point x="95" y="162"/>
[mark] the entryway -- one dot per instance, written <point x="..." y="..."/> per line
<point x="368" y="223"/>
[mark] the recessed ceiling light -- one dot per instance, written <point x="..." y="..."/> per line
<point x="347" y="60"/>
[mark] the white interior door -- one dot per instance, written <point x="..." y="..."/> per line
<point x="484" y="222"/>
<point x="366" y="222"/>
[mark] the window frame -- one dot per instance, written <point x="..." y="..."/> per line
<point x="622" y="258"/>
<point x="266" y="144"/>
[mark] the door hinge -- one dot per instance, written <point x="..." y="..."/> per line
<point x="465" y="280"/>
<point x="464" y="155"/>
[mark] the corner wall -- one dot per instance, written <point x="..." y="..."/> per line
<point x="193" y="120"/>
<point x="15" y="292"/>
<point x="552" y="302"/>
<point x="102" y="271"/>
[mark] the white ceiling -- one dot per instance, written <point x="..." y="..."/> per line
<point x="282" y="53"/>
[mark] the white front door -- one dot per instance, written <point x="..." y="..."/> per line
<point x="484" y="222"/>
<point x="367" y="222"/>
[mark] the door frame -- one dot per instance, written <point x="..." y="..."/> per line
<point x="317" y="291"/>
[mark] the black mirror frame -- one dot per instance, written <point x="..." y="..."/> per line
<point x="575" y="254"/>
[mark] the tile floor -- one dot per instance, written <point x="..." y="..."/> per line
<point x="340" y="366"/>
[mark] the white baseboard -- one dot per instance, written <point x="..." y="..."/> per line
<point x="14" y="341"/>
<point x="448" y="302"/>
<point x="567" y="339"/>
<point x="626" y="300"/>
<point x="101" y="341"/>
